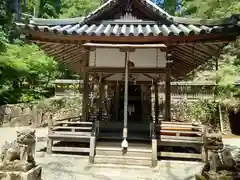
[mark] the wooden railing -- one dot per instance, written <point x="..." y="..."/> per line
<point x="68" y="130"/>
<point x="184" y="135"/>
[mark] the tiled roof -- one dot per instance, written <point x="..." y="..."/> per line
<point x="128" y="29"/>
<point x="151" y="21"/>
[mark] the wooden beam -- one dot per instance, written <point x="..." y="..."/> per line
<point x="121" y="82"/>
<point x="100" y="45"/>
<point x="108" y="75"/>
<point x="122" y="70"/>
<point x="148" y="76"/>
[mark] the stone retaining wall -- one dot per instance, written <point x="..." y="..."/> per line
<point x="38" y="114"/>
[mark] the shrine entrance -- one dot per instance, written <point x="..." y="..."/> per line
<point x="134" y="103"/>
<point x="130" y="42"/>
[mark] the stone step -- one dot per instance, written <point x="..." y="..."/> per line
<point x="117" y="145"/>
<point x="118" y="152"/>
<point x="122" y="160"/>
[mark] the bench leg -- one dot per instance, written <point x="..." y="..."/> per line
<point x="49" y="146"/>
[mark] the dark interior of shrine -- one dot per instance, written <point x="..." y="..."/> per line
<point x="134" y="103"/>
<point x="138" y="128"/>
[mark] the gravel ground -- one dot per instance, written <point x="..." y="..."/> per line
<point x="65" y="167"/>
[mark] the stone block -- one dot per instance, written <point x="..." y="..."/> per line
<point x="27" y="111"/>
<point x="32" y="174"/>
<point x="45" y="118"/>
<point x="7" y="110"/>
<point x="16" y="111"/>
<point x="20" y="121"/>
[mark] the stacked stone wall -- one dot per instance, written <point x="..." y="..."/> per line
<point x="37" y="114"/>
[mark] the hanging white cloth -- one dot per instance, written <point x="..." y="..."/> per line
<point x="131" y="109"/>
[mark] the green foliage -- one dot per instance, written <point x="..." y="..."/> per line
<point x="78" y="8"/>
<point x="62" y="107"/>
<point x="25" y="72"/>
<point x="211" y="8"/>
<point x="229" y="61"/>
<point x="200" y="111"/>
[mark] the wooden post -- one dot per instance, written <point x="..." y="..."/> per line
<point x="125" y="130"/>
<point x="142" y="102"/>
<point x="92" y="149"/>
<point x="85" y="97"/>
<point x="220" y="117"/>
<point x="101" y="102"/>
<point x="85" y="86"/>
<point x="156" y="104"/>
<point x="117" y="102"/>
<point x="153" y="103"/>
<point x="168" y="90"/>
<point x="154" y="152"/>
<point x="50" y="132"/>
<point x="204" y="139"/>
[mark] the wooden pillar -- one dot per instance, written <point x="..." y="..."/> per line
<point x="117" y="102"/>
<point x="168" y="89"/>
<point x="85" y="88"/>
<point x="153" y="104"/>
<point x="125" y="130"/>
<point x="101" y="101"/>
<point x="85" y="97"/>
<point x="156" y="103"/>
<point x="142" y="102"/>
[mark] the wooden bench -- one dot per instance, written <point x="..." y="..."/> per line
<point x="179" y="135"/>
<point x="69" y="130"/>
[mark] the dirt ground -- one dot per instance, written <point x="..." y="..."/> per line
<point x="66" y="167"/>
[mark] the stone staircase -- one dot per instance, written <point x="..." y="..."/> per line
<point x="139" y="154"/>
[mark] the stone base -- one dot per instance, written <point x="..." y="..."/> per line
<point x="32" y="174"/>
<point x="216" y="176"/>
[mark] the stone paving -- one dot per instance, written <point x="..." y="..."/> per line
<point x="66" y="167"/>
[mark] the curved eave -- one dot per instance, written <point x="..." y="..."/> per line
<point x="70" y="55"/>
<point x="55" y="22"/>
<point x="131" y="30"/>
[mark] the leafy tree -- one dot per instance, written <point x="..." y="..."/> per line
<point x="78" y="8"/>
<point x="25" y="68"/>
